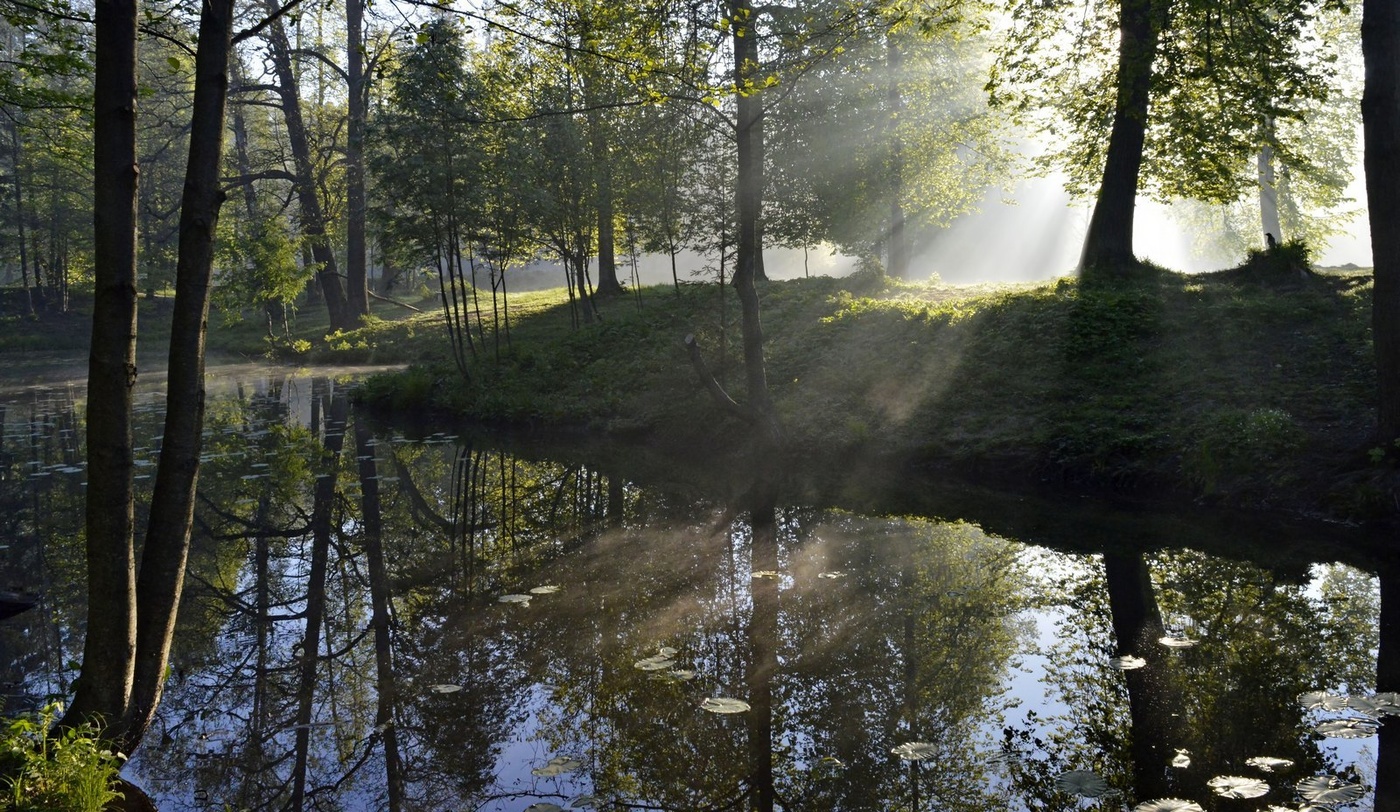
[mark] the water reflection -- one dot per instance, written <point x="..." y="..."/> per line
<point x="345" y="643"/>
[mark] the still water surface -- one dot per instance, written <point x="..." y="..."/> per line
<point x="382" y="619"/>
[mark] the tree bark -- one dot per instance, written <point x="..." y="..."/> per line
<point x="167" y="542"/>
<point x="17" y="153"/>
<point x="1268" y="187"/>
<point x="356" y="272"/>
<point x="1380" y="116"/>
<point x="313" y="218"/>
<point x="897" y="246"/>
<point x="104" y="686"/>
<point x="1108" y="245"/>
<point x="1387" y="680"/>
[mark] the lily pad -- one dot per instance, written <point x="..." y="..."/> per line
<point x="1268" y="763"/>
<point x="524" y="600"/>
<point x="915" y="751"/>
<point x="1315" y="700"/>
<point x="1325" y="789"/>
<point x="1383" y="704"/>
<point x="832" y="574"/>
<point x="1127" y="662"/>
<point x="1237" y="786"/>
<point x="765" y="573"/>
<point x="544" y="806"/>
<point x="584" y="802"/>
<point x="444" y="688"/>
<point x="557" y="766"/>
<point x="724" y="704"/>
<point x="547" y="589"/>
<point x="1181" y="760"/>
<point x="832" y="762"/>
<point x="1083" y="783"/>
<point x="1176" y="642"/>
<point x="1168" y="805"/>
<point x="682" y="674"/>
<point x="659" y="662"/>
<point x="666" y="651"/>
<point x="1351" y="727"/>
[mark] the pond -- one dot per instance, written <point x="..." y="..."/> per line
<point x="382" y="618"/>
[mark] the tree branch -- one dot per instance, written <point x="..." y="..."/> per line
<point x="716" y="391"/>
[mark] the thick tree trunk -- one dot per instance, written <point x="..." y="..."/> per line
<point x="1108" y="245"/>
<point x="172" y="503"/>
<point x="608" y="284"/>
<point x="313" y="219"/>
<point x="1268" y="186"/>
<point x="763" y="647"/>
<point x="1380" y="116"/>
<point x="110" y="646"/>
<point x="356" y="272"/>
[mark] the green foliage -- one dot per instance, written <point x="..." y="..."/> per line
<point x="1236" y="443"/>
<point x="1291" y="258"/>
<point x="43" y="772"/>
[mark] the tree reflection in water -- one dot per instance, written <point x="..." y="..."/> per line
<point x="343" y="643"/>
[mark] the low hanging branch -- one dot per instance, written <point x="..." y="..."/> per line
<point x="716" y="391"/>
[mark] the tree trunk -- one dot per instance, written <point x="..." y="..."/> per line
<point x="313" y="219"/>
<point x="385" y="714"/>
<point x="1387" y="680"/>
<point x="1108" y="245"/>
<point x="110" y="646"/>
<point x="1268" y="186"/>
<point x="17" y="154"/>
<point x="1380" y="116"/>
<point x="897" y="246"/>
<point x="747" y="203"/>
<point x="356" y="275"/>
<point x="608" y="284"/>
<point x="167" y="542"/>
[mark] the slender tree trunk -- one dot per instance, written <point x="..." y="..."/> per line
<point x="167" y="542"/>
<point x="385" y="714"/>
<point x="760" y="273"/>
<point x="17" y="155"/>
<point x="1380" y="116"/>
<point x="747" y="203"/>
<point x="1388" y="680"/>
<point x="898" y="247"/>
<point x="608" y="284"/>
<point x="356" y="260"/>
<point x="110" y="646"/>
<point x="1108" y="245"/>
<point x="321" y="529"/>
<point x="1268" y="186"/>
<point x="313" y="219"/>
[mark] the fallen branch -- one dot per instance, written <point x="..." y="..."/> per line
<point x="716" y="391"/>
<point x="390" y="300"/>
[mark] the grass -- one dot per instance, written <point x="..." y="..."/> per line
<point x="1248" y="386"/>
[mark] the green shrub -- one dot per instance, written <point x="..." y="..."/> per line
<point x="1239" y="443"/>
<point x="69" y="772"/>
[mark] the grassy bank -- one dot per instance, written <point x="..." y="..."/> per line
<point x="1249" y="387"/>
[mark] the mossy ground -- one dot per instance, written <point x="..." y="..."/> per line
<point x="1247" y="387"/>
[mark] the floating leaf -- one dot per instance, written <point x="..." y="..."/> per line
<point x="544" y="806"/>
<point x="1082" y="782"/>
<point x="1313" y="700"/>
<point x="1168" y="805"/>
<point x="1352" y="727"/>
<point x="1127" y="662"/>
<point x="915" y="751"/>
<point x="557" y="766"/>
<point x="444" y="688"/>
<point x="833" y="574"/>
<point x="683" y="674"/>
<point x="723" y="704"/>
<point x="1384" y="704"/>
<point x="1237" y="786"/>
<point x="524" y="600"/>
<point x="667" y="651"/>
<point x="1268" y="763"/>
<point x="547" y="589"/>
<point x="1326" y="789"/>
<point x="1176" y="642"/>
<point x="1181" y="760"/>
<point x="657" y="663"/>
<point x="584" y="802"/>
<point x="832" y="762"/>
<point x="765" y="573"/>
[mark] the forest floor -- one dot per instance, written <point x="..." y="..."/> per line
<point x="1251" y="387"/>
